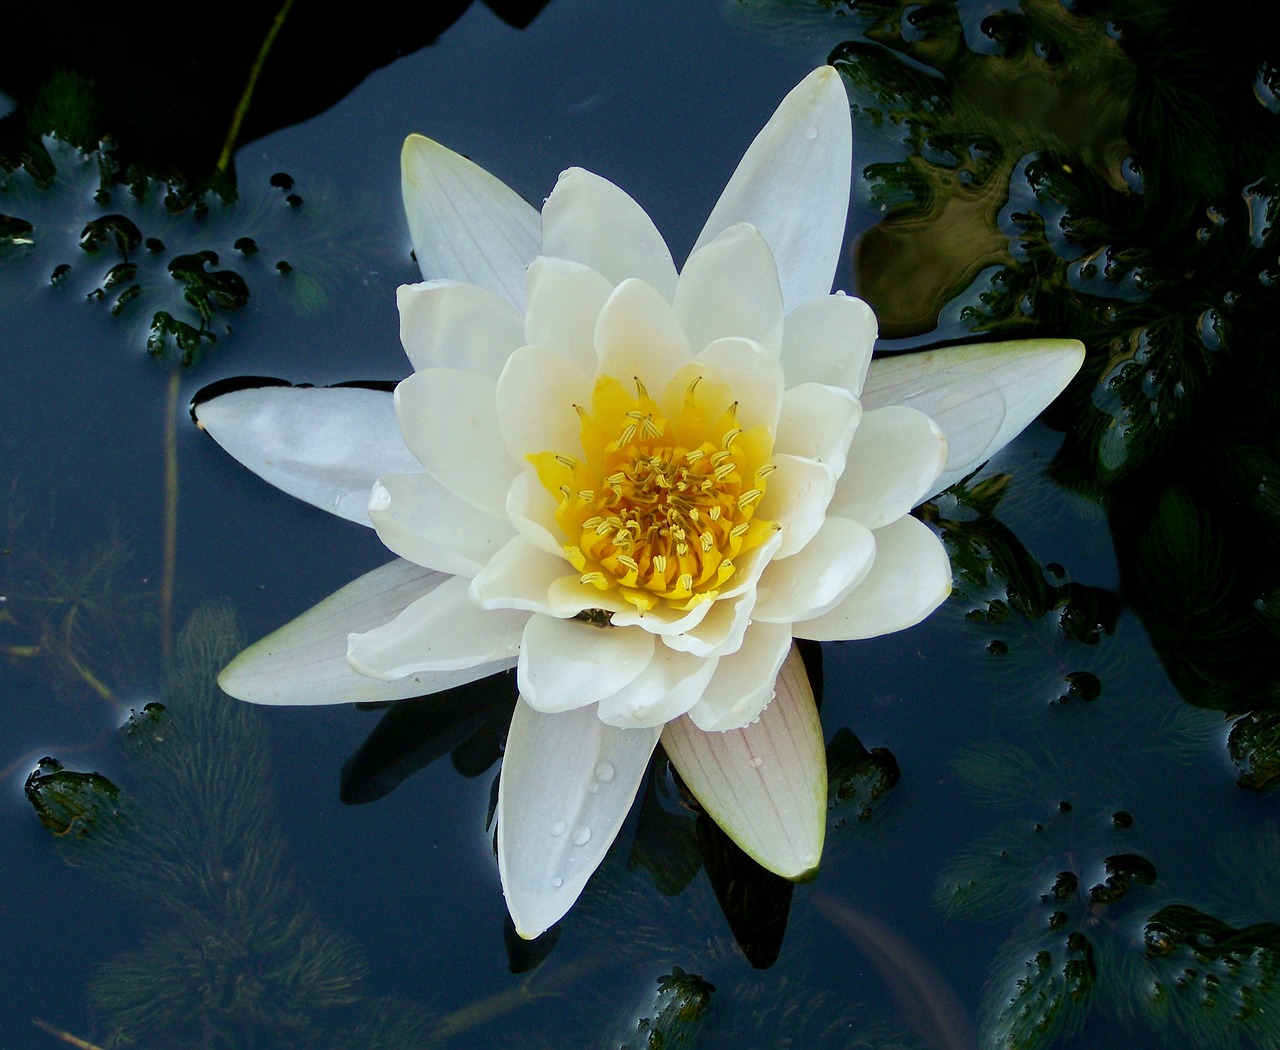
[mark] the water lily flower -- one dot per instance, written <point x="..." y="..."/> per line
<point x="635" y="484"/>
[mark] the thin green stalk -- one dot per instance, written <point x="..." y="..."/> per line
<point x="237" y="118"/>
<point x="170" y="514"/>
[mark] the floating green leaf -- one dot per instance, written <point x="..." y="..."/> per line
<point x="675" y="1011"/>
<point x="174" y="264"/>
<point x="71" y="803"/>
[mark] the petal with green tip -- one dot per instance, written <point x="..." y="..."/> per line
<point x="764" y="784"/>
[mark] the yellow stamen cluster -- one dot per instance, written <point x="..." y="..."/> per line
<point x="658" y="509"/>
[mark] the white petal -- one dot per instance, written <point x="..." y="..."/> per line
<point x="817" y="577"/>
<point x="754" y="376"/>
<point x="829" y="340"/>
<point x="519" y="577"/>
<point x="764" y="784"/>
<point x="591" y="221"/>
<point x="729" y="287"/>
<point x="670" y="685"/>
<point x="894" y="463"/>
<point x="562" y="301"/>
<point x="566" y="663"/>
<point x="567" y="783"/>
<point x="569" y="596"/>
<point x="444" y="324"/>
<point x="466" y="224"/>
<point x="532" y="510"/>
<point x="910" y="577"/>
<point x="721" y="630"/>
<point x="663" y="618"/>
<point x="793" y="184"/>
<point x="324" y="445"/>
<point x="305" y="661"/>
<point x="450" y="421"/>
<point x="639" y="335"/>
<point x="796" y="497"/>
<point x="419" y="519"/>
<point x="982" y="396"/>
<point x="818" y="422"/>
<point x="442" y="631"/>
<point x="536" y="394"/>
<point x="744" y="681"/>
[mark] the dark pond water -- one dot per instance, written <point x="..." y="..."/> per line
<point x="1037" y="837"/>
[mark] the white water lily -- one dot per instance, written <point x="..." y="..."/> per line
<point x="637" y="485"/>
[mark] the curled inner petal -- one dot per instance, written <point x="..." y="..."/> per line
<point x="658" y="508"/>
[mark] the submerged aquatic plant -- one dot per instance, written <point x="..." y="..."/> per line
<point x="72" y="619"/>
<point x="637" y="485"/>
<point x="234" y="954"/>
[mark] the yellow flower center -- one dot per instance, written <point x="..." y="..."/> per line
<point x="656" y="509"/>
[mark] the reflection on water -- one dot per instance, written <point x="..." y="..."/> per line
<point x="1039" y="801"/>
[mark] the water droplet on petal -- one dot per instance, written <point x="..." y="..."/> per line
<point x="811" y="133"/>
<point x="557" y="882"/>
<point x="757" y="761"/>
<point x="581" y="835"/>
<point x="604" y="772"/>
<point x="559" y="827"/>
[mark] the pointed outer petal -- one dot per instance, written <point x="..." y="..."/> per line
<point x="796" y="497"/>
<point x="519" y="577"/>
<point x="744" y="681"/>
<point x="764" y="784"/>
<point x="829" y="340"/>
<point x="982" y="396"/>
<point x="563" y="299"/>
<point x="324" y="445"/>
<point x="729" y="287"/>
<point x="532" y="510"/>
<point x="638" y="334"/>
<point x="466" y="224"/>
<point x="831" y="564"/>
<point x="793" y="185"/>
<point x="419" y="519"/>
<point x="754" y="376"/>
<point x="589" y="220"/>
<point x="721" y="631"/>
<point x="910" y="577"/>
<point x="894" y="463"/>
<point x="565" y="663"/>
<point x="536" y="394"/>
<point x="305" y="661"/>
<point x="818" y="422"/>
<point x="444" y="324"/>
<point x="442" y="631"/>
<point x="567" y="784"/>
<point x="670" y="685"/>
<point x="449" y="420"/>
